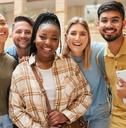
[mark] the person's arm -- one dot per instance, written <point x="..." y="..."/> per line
<point x="78" y="106"/>
<point x="57" y="118"/>
<point x="83" y="99"/>
<point x="17" y="108"/>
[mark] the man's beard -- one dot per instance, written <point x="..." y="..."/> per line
<point x="110" y="38"/>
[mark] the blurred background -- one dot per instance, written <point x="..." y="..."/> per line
<point x="64" y="9"/>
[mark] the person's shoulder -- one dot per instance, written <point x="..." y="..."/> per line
<point x="10" y="49"/>
<point x="66" y="63"/>
<point x="98" y="46"/>
<point x="10" y="58"/>
<point x="21" y="68"/>
<point x="64" y="59"/>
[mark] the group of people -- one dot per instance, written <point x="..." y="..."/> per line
<point x="47" y="90"/>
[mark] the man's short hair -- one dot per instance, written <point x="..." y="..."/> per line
<point x="29" y="20"/>
<point x="112" y="6"/>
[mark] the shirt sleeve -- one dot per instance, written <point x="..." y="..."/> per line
<point x="17" y="111"/>
<point x="83" y="100"/>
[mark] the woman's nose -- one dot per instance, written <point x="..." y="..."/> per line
<point x="48" y="42"/>
<point x="77" y="37"/>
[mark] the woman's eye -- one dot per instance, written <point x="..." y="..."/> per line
<point x="43" y="37"/>
<point x="83" y="34"/>
<point x="73" y="33"/>
<point x="55" y="39"/>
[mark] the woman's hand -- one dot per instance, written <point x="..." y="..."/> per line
<point x="56" y="118"/>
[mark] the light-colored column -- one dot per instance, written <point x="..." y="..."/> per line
<point x="61" y="12"/>
<point x="19" y="7"/>
<point x="6" y="1"/>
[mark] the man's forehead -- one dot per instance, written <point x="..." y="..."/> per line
<point x="23" y="24"/>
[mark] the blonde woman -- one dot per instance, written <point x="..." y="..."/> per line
<point x="78" y="45"/>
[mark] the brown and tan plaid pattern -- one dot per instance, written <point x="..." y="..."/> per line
<point x="27" y="106"/>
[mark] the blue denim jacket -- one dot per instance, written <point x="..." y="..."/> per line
<point x="12" y="51"/>
<point x="100" y="106"/>
<point x="5" y="121"/>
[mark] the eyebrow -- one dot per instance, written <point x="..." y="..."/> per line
<point x="117" y="17"/>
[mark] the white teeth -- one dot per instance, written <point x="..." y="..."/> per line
<point x="77" y="44"/>
<point x="47" y="49"/>
<point x="1" y="33"/>
<point x="109" y="31"/>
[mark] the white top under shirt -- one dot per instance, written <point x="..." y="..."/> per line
<point x="49" y="85"/>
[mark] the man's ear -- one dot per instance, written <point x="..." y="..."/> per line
<point x="124" y="27"/>
<point x="124" y="24"/>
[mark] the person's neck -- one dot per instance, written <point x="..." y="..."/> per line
<point x="76" y="54"/>
<point x="22" y="52"/>
<point x="43" y="64"/>
<point x="1" y="49"/>
<point x="115" y="45"/>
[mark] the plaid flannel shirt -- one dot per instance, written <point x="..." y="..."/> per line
<point x="27" y="104"/>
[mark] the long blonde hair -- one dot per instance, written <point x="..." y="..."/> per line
<point x="87" y="51"/>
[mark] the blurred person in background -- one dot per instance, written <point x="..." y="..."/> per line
<point x="21" y="36"/>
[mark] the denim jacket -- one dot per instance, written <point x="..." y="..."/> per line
<point x="12" y="51"/>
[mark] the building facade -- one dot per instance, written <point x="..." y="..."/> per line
<point x="64" y="9"/>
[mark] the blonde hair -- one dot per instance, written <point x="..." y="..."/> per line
<point x="87" y="51"/>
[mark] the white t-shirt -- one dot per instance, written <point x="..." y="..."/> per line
<point x="49" y="85"/>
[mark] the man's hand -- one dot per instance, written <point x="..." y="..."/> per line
<point x="24" y="58"/>
<point x="121" y="90"/>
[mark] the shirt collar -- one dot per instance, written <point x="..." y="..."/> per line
<point x="122" y="50"/>
<point x="123" y="47"/>
<point x="32" y="60"/>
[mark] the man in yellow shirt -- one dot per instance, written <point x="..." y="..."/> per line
<point x="111" y="17"/>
